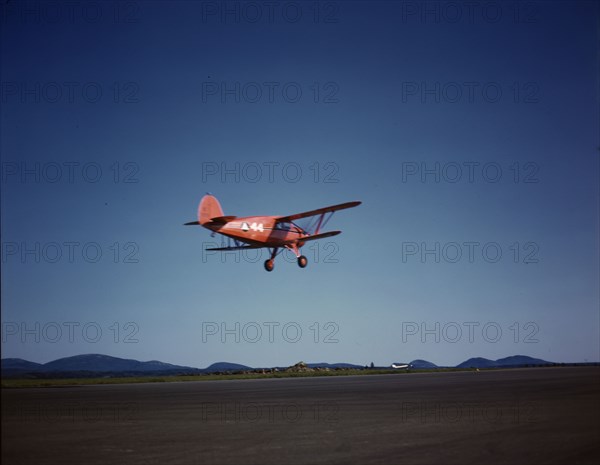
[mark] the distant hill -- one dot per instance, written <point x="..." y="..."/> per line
<point x="476" y="362"/>
<point x="333" y="365"/>
<point x="512" y="361"/>
<point x="15" y="366"/>
<point x="520" y="360"/>
<point x="226" y="366"/>
<point x="88" y="364"/>
<point x="98" y="362"/>
<point x="422" y="364"/>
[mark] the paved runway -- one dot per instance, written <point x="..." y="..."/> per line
<point x="533" y="416"/>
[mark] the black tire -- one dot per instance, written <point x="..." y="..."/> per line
<point x="302" y="261"/>
<point x="269" y="265"/>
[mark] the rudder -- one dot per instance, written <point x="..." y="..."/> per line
<point x="209" y="208"/>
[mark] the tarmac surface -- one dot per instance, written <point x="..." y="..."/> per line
<point x="518" y="416"/>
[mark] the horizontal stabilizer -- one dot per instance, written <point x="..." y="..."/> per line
<point x="222" y="219"/>
<point x="192" y="223"/>
<point x="242" y="247"/>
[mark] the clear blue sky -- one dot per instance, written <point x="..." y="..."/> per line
<point x="468" y="130"/>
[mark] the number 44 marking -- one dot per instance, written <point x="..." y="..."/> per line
<point x="253" y="226"/>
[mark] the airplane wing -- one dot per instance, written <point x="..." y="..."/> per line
<point x="303" y="239"/>
<point x="318" y="211"/>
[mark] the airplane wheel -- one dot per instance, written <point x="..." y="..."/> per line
<point x="302" y="261"/>
<point x="269" y="265"/>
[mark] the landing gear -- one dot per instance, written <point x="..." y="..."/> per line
<point x="302" y="261"/>
<point x="270" y="263"/>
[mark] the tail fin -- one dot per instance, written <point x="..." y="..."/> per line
<point x="209" y="208"/>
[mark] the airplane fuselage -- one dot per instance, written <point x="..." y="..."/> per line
<point x="258" y="230"/>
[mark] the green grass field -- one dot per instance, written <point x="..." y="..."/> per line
<point x="58" y="382"/>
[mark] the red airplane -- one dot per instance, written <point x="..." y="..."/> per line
<point x="273" y="232"/>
